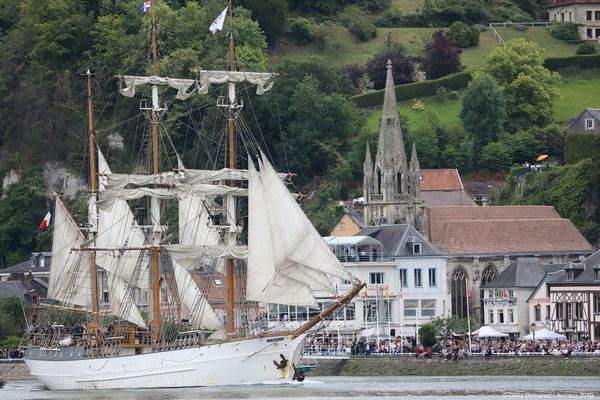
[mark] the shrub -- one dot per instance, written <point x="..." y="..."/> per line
<point x="591" y="61"/>
<point x="463" y="35"/>
<point x="586" y="48"/>
<point x="520" y="27"/>
<point x="390" y="19"/>
<point x="418" y="106"/>
<point x="453" y="95"/>
<point x="581" y="145"/>
<point x="567" y="32"/>
<point x="442" y="91"/>
<point x="427" y="335"/>
<point x="410" y="91"/>
<point x="301" y="30"/>
<point x="363" y="30"/>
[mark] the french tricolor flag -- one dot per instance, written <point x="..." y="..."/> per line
<point x="47" y="221"/>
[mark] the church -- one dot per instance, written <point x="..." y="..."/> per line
<point x="478" y="241"/>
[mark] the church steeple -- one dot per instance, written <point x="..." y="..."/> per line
<point x="392" y="190"/>
<point x="391" y="158"/>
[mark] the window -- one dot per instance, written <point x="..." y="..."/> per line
<point x="218" y="282"/>
<point x="559" y="311"/>
<point x="410" y="308"/>
<point x="511" y="316"/>
<point x="427" y="308"/>
<point x="349" y="311"/>
<point x="284" y="312"/>
<point x="490" y="294"/>
<point x="42" y="259"/>
<point x="597" y="304"/>
<point x="432" y="281"/>
<point x="374" y="313"/>
<point x="579" y="310"/>
<point x="418" y="277"/>
<point x="588" y="15"/>
<point x="491" y="316"/>
<point x="342" y="226"/>
<point x="562" y="17"/>
<point x="590" y="33"/>
<point x="597" y="15"/>
<point x="376" y="278"/>
<point x="403" y="277"/>
<point x="511" y="294"/>
<point x="500" y="316"/>
<point x="537" y="311"/>
<point x="344" y="282"/>
<point x="589" y="124"/>
<point x="548" y="313"/>
<point x="104" y="286"/>
<point x="569" y="310"/>
<point x="416" y="248"/>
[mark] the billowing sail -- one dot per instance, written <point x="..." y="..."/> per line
<point x="287" y="259"/>
<point x="70" y="280"/>
<point x="118" y="228"/>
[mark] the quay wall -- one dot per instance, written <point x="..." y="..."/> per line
<point x="496" y="365"/>
<point x="14" y="370"/>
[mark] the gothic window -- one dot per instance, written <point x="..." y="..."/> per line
<point x="489" y="274"/>
<point x="399" y="181"/>
<point x="389" y="121"/>
<point x="378" y="181"/>
<point x="458" y="292"/>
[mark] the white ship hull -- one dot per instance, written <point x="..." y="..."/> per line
<point x="233" y="363"/>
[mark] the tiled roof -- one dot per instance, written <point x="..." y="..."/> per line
<point x="12" y="289"/>
<point x="440" y="179"/>
<point x="503" y="236"/>
<point x="440" y="216"/>
<point x="435" y="198"/>
<point x="357" y="216"/>
<point x="479" y="188"/>
<point x="395" y="238"/>
<point x="523" y="272"/>
<point x="558" y="3"/>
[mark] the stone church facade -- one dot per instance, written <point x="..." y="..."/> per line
<point x="391" y="185"/>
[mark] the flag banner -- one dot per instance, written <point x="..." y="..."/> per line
<point x="387" y="292"/>
<point x="468" y="290"/>
<point x="366" y="292"/>
<point x="47" y="221"/>
<point x="146" y="7"/>
<point x="217" y="24"/>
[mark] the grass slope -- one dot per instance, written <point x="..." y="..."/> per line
<point x="408" y="6"/>
<point x="342" y="48"/>
<point x="578" y="90"/>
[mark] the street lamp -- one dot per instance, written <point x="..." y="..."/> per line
<point x="533" y="327"/>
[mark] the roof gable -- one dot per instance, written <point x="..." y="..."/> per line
<point x="441" y="179"/>
<point x="395" y="238"/>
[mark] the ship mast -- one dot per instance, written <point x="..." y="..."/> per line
<point x="231" y="209"/>
<point x="154" y="202"/>
<point x="93" y="217"/>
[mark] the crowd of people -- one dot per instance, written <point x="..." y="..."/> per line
<point x="11" y="354"/>
<point x="454" y="349"/>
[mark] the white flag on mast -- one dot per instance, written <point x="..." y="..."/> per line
<point x="217" y="24"/>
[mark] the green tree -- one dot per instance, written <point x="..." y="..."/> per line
<point x="322" y="209"/>
<point x="529" y="88"/>
<point x="12" y="319"/>
<point x="463" y="35"/>
<point x="495" y="157"/>
<point x="441" y="57"/>
<point x="427" y="335"/>
<point x="270" y="14"/>
<point x="21" y="210"/>
<point x="482" y="110"/>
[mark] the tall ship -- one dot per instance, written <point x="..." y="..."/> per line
<point x="125" y="308"/>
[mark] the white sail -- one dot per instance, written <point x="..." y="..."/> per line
<point x="194" y="305"/>
<point x="70" y="279"/>
<point x="186" y="87"/>
<point x="117" y="228"/>
<point x="109" y="197"/>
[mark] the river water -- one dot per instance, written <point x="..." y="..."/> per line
<point x="363" y="388"/>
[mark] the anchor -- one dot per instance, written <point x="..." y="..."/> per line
<point x="282" y="364"/>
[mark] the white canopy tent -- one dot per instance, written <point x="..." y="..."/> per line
<point x="488" y="331"/>
<point x="544" y="334"/>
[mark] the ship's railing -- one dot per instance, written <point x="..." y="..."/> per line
<point x="182" y="340"/>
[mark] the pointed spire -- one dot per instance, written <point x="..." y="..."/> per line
<point x="368" y="159"/>
<point x="414" y="161"/>
<point x="390" y="105"/>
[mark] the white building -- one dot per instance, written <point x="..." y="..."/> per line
<point x="584" y="13"/>
<point x="505" y="298"/>
<point x="405" y="278"/>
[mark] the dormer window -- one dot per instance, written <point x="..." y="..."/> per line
<point x="597" y="273"/>
<point x="589" y="124"/>
<point x="416" y="248"/>
<point x="42" y="261"/>
<point x="570" y="275"/>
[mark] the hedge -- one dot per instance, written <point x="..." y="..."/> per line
<point x="579" y="146"/>
<point x="409" y="91"/>
<point x="591" y="61"/>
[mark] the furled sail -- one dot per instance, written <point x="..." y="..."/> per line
<point x="186" y="87"/>
<point x="118" y="228"/>
<point x="287" y="259"/>
<point x="69" y="281"/>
